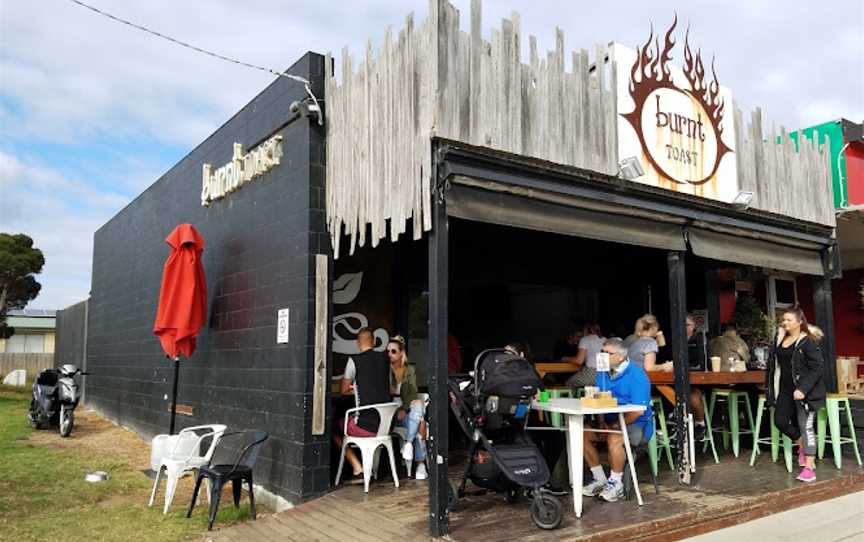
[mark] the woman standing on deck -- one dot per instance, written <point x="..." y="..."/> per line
<point x="795" y="386"/>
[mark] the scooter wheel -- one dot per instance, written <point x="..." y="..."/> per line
<point x="67" y="420"/>
<point x="546" y="511"/>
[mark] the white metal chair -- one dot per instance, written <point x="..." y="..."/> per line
<point x="369" y="445"/>
<point x="179" y="455"/>
<point x="402" y="432"/>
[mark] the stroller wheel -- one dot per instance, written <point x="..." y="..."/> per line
<point x="453" y="496"/>
<point x="513" y="495"/>
<point x="546" y="511"/>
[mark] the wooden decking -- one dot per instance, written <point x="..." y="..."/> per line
<point x="725" y="494"/>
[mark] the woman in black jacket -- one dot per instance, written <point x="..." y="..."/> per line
<point x="795" y="386"/>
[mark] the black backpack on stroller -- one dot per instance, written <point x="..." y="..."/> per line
<point x="492" y="409"/>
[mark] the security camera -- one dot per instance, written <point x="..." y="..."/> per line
<point x="294" y="107"/>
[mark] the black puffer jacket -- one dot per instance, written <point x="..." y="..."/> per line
<point x="807" y="372"/>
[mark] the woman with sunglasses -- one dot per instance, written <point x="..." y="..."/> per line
<point x="403" y="383"/>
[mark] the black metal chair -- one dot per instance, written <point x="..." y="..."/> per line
<point x="627" y="480"/>
<point x="242" y="448"/>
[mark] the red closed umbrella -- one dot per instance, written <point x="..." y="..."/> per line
<point x="182" y="299"/>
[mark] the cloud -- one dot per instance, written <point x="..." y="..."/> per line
<point x="92" y="111"/>
<point x="60" y="214"/>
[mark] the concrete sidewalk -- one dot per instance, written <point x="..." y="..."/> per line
<point x="839" y="519"/>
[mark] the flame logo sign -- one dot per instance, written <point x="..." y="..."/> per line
<point x="693" y="146"/>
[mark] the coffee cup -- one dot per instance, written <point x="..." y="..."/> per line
<point x="661" y="340"/>
<point x="715" y="364"/>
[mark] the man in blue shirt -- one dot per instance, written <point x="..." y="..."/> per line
<point x="629" y="384"/>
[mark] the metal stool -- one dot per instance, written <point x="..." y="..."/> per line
<point x="731" y="398"/>
<point x="834" y="403"/>
<point x="773" y="440"/>
<point x="708" y="439"/>
<point x="660" y="437"/>
<point x="555" y="418"/>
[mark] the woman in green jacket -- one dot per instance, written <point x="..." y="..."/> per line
<point x="403" y="383"/>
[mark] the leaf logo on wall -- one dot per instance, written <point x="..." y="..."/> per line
<point x="346" y="288"/>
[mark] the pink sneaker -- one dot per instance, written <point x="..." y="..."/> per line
<point x="807" y="475"/>
<point x="802" y="459"/>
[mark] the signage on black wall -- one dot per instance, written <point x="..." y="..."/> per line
<point x="240" y="170"/>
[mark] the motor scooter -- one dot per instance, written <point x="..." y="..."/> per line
<point x="55" y="396"/>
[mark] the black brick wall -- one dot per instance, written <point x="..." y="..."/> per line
<point x="259" y="251"/>
<point x="70" y="332"/>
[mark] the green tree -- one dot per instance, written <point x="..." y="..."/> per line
<point x="19" y="262"/>
<point x="751" y="321"/>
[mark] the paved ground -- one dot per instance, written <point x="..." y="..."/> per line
<point x="834" y="520"/>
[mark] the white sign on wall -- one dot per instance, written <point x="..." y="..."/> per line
<point x="678" y="122"/>
<point x="282" y="326"/>
<point x="242" y="168"/>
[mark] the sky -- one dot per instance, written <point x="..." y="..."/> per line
<point x="92" y="112"/>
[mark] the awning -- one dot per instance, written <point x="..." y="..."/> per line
<point x="733" y="248"/>
<point x="564" y="216"/>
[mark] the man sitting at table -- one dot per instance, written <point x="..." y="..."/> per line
<point x="629" y="384"/>
<point x="696" y="355"/>
<point x="730" y="345"/>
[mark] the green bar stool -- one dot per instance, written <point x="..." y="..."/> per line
<point x="555" y="418"/>
<point x="660" y="437"/>
<point x="708" y="440"/>
<point x="773" y="440"/>
<point x="735" y="431"/>
<point x="834" y="404"/>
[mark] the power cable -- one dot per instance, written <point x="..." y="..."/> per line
<point x="175" y="41"/>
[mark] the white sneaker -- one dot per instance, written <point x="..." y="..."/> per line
<point x="408" y="451"/>
<point x="420" y="473"/>
<point x="594" y="488"/>
<point x="613" y="491"/>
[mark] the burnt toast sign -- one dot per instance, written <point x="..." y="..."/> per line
<point x="674" y="120"/>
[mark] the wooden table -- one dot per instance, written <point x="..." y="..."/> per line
<point x="710" y="378"/>
<point x="543" y="368"/>
<point x="665" y="380"/>
<point x="575" y="412"/>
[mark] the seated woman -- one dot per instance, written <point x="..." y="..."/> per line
<point x="647" y="338"/>
<point x="403" y="383"/>
<point x="585" y="359"/>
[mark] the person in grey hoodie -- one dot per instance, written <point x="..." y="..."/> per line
<point x="795" y="386"/>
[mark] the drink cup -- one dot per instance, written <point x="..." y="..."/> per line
<point x="544" y="396"/>
<point x="661" y="340"/>
<point x="715" y="364"/>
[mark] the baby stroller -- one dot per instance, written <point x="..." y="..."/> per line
<point x="492" y="408"/>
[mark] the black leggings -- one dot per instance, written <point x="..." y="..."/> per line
<point x="794" y="420"/>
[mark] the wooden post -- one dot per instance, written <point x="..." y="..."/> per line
<point x="825" y="320"/>
<point x="439" y="485"/>
<point x="677" y="325"/>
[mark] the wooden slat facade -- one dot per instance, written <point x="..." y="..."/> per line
<point x="437" y="80"/>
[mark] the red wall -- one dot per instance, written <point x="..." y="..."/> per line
<point x="855" y="173"/>
<point x="848" y="317"/>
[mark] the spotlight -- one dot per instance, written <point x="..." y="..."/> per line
<point x="742" y="200"/>
<point x="630" y="168"/>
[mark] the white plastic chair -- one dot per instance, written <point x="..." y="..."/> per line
<point x="180" y="455"/>
<point x="369" y="445"/>
<point x="402" y="432"/>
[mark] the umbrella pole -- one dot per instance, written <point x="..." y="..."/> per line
<point x="174" y="394"/>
